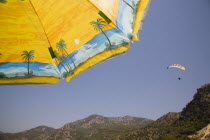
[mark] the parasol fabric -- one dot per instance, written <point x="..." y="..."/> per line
<point x="45" y="41"/>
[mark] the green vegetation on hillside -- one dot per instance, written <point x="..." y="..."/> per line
<point x="193" y="117"/>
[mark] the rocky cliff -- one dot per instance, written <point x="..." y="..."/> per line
<point x="178" y="126"/>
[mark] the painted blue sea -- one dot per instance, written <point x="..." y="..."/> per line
<point x="96" y="45"/>
<point x="125" y="17"/>
<point x="20" y="69"/>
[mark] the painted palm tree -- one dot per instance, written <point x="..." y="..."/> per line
<point x="99" y="25"/>
<point x="28" y="56"/>
<point x="57" y="59"/>
<point x="62" y="47"/>
<point x="128" y="4"/>
<point x="62" y="58"/>
<point x="3" y="1"/>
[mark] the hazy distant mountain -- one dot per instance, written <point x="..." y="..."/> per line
<point x="92" y="127"/>
<point x="178" y="126"/>
<point x="100" y="121"/>
<point x="32" y="134"/>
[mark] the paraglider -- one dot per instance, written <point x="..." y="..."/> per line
<point x="66" y="38"/>
<point x="178" y="66"/>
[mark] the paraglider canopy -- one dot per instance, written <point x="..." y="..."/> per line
<point x="177" y="66"/>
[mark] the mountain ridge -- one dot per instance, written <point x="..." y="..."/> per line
<point x="86" y="127"/>
<point x="192" y="123"/>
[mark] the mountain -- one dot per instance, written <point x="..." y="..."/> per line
<point x="91" y="128"/>
<point x="178" y="126"/>
<point x="100" y="121"/>
<point x="153" y="130"/>
<point x="32" y="134"/>
<point x="192" y="123"/>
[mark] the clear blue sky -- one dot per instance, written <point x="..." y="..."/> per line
<point x="136" y="84"/>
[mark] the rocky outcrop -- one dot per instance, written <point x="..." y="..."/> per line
<point x="203" y="134"/>
<point x="178" y="126"/>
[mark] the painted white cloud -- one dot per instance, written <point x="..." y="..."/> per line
<point x="13" y="70"/>
<point x="50" y="70"/>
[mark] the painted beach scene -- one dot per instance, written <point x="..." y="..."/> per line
<point x="27" y="69"/>
<point x="107" y="40"/>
